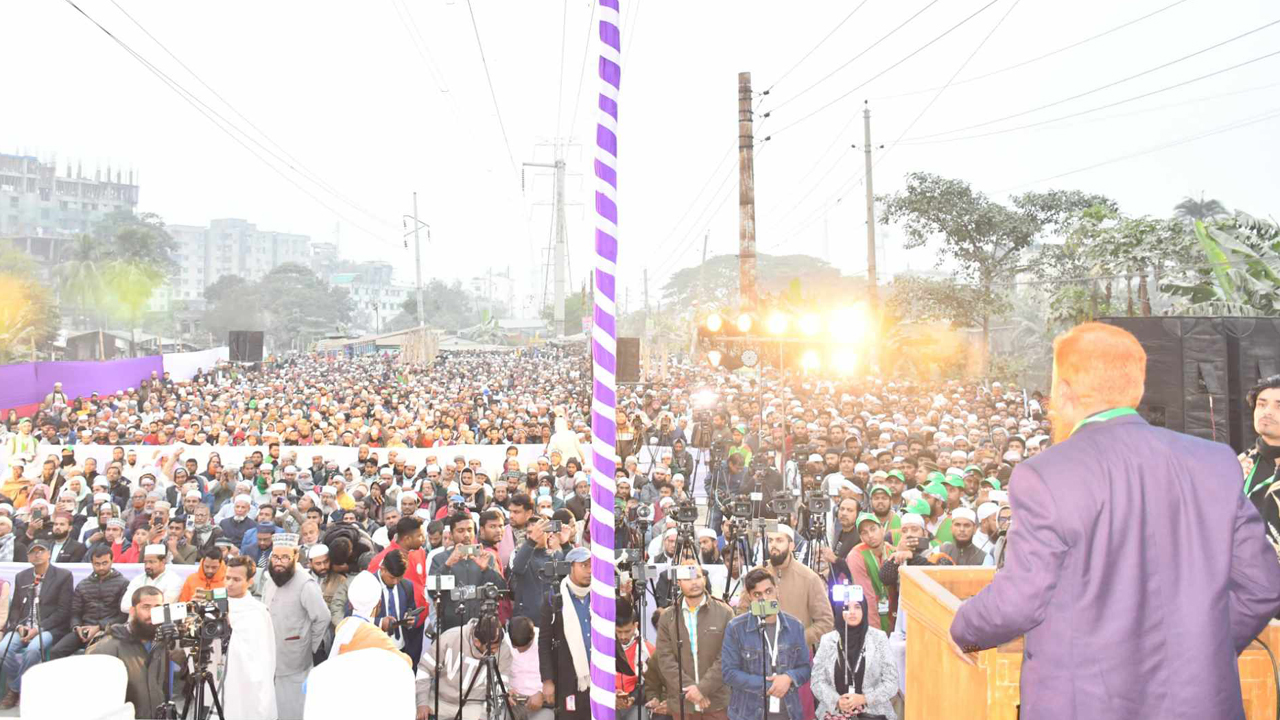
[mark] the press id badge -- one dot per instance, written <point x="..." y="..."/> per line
<point x="882" y="607"/>
<point x="569" y="703"/>
<point x="775" y="704"/>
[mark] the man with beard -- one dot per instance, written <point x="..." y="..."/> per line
<point x="1260" y="484"/>
<point x="881" y="499"/>
<point x="846" y="535"/>
<point x="538" y="548"/>
<point x="65" y="549"/>
<point x="248" y="688"/>
<point x="155" y="574"/>
<point x="212" y="574"/>
<point x="520" y="511"/>
<point x="961" y="549"/>
<point x="581" y="499"/>
<point x="333" y="585"/>
<point x="864" y="561"/>
<point x="701" y="623"/>
<point x="241" y="521"/>
<point x="203" y="533"/>
<point x="801" y="591"/>
<point x="564" y="643"/>
<point x="131" y="642"/>
<point x="300" y="618"/>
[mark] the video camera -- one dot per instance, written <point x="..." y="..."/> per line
<point x="781" y="503"/>
<point x="686" y="512"/>
<point x="486" y="592"/>
<point x="740" y="506"/>
<point x="195" y="623"/>
<point x="554" y="570"/>
<point x="817" y="502"/>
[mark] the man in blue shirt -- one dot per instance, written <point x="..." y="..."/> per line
<point x="764" y="655"/>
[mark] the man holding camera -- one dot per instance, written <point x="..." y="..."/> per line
<point x="28" y="636"/>
<point x="469" y="564"/>
<point x="95" y="605"/>
<point x="465" y="682"/>
<point x="541" y="545"/>
<point x="688" y="653"/>
<point x="131" y="642"/>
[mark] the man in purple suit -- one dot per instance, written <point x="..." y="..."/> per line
<point x="1137" y="570"/>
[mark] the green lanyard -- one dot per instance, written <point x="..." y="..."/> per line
<point x="1104" y="416"/>
<point x="1249" y="480"/>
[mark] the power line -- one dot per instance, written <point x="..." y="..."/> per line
<point x="489" y="78"/>
<point x="1094" y="109"/>
<point x="866" y="50"/>
<point x="210" y="114"/>
<point x="420" y="44"/>
<point x="564" y="32"/>
<point x="1112" y="84"/>
<point x="290" y="163"/>
<point x="943" y="89"/>
<point x="586" y="50"/>
<point x="1271" y="114"/>
<point x="815" y="47"/>
<point x="1038" y="58"/>
<point x="873" y="78"/>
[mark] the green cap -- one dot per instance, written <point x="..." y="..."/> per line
<point x="898" y="474"/>
<point x="934" y="477"/>
<point x="973" y="469"/>
<point x="935" y="489"/>
<point x="880" y="488"/>
<point x="740" y="427"/>
<point x="994" y="483"/>
<point x="863" y="517"/>
<point x="921" y="508"/>
<point x="953" y="481"/>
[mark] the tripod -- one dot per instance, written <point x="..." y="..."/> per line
<point x="437" y="597"/>
<point x="684" y="544"/>
<point x="495" y="690"/>
<point x="203" y="679"/>
<point x="735" y="549"/>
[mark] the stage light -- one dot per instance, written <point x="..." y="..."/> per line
<point x="810" y="360"/>
<point x="713" y="357"/>
<point x="714" y="322"/>
<point x="810" y="324"/>
<point x="845" y="362"/>
<point x="744" y="323"/>
<point x="777" y="323"/>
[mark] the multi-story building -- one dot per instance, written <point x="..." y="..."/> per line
<point x="372" y="291"/>
<point x="228" y="247"/>
<point x="42" y="211"/>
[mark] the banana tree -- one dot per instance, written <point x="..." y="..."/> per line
<point x="1241" y="275"/>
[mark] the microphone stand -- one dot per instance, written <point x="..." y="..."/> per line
<point x="764" y="667"/>
<point x="35" y="613"/>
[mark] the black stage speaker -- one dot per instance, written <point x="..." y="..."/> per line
<point x="1199" y="370"/>
<point x="246" y="345"/>
<point x="628" y="360"/>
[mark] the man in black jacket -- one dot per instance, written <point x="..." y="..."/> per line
<point x="66" y="549"/>
<point x="471" y="567"/>
<point x="565" y="640"/>
<point x="29" y="637"/>
<point x="95" y="605"/>
<point x="131" y="643"/>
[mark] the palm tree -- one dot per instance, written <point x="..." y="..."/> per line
<point x="80" y="276"/>
<point x="1191" y="209"/>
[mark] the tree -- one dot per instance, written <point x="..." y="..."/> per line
<point x="926" y="300"/>
<point x="1241" y="270"/>
<point x="715" y="282"/>
<point x="447" y="307"/>
<point x="79" y="277"/>
<point x="290" y="303"/>
<point x="29" y="318"/>
<point x="985" y="240"/>
<point x="576" y="306"/>
<point x="1190" y="210"/>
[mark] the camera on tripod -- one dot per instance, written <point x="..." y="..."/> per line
<point x="554" y="570"/>
<point x="686" y="512"/>
<point x="817" y="502"/>
<point x="485" y="592"/>
<point x="740" y="506"/>
<point x="194" y="623"/>
<point x="644" y="513"/>
<point x="781" y="503"/>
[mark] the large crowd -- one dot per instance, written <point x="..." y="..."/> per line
<point x="803" y="490"/>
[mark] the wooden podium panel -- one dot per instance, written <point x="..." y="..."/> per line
<point x="939" y="684"/>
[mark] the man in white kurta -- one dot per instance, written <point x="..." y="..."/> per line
<point x="300" y="618"/>
<point x="155" y="574"/>
<point x="249" y="691"/>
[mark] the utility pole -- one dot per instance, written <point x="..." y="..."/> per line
<point x="871" y="209"/>
<point x="746" y="197"/>
<point x="559" y="253"/>
<point x="417" y="259"/>
<point x="702" y="272"/>
<point x="646" y="297"/>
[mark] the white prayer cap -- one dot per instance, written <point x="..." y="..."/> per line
<point x="423" y="514"/>
<point x="911" y="495"/>
<point x="190" y="493"/>
<point x="786" y="530"/>
<point x="244" y="498"/>
<point x="101" y="481"/>
<point x="706" y="533"/>
<point x="318" y="550"/>
<point x="815" y="458"/>
<point x="912" y="519"/>
<point x="999" y="496"/>
<point x="1013" y="456"/>
<point x="156" y="549"/>
<point x="670" y="533"/>
<point x="846" y="485"/>
<point x="364" y="592"/>
<point x="861" y="467"/>
<point x="986" y="510"/>
<point x="281" y="487"/>
<point x="329" y="490"/>
<point x="105" y="497"/>
<point x="964" y="514"/>
<point x="285" y="540"/>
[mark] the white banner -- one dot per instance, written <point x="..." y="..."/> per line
<point x="491" y="457"/>
<point x="183" y="366"/>
<point x="80" y="571"/>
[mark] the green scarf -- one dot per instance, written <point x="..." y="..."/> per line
<point x="873" y="570"/>
<point x="944" y="533"/>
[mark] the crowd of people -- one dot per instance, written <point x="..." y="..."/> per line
<point x="790" y="501"/>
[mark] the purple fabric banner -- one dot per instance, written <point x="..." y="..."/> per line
<point x="28" y="383"/>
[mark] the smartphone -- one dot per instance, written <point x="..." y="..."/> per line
<point x="467" y="550"/>
<point x="764" y="608"/>
<point x="553" y="526"/>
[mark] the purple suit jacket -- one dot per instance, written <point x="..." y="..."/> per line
<point x="1137" y="572"/>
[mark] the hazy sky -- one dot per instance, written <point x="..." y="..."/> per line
<point x="348" y="91"/>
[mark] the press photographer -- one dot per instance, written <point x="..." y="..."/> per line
<point x="146" y="661"/>
<point x="564" y="643"/>
<point x="469" y="564"/>
<point x="467" y="680"/>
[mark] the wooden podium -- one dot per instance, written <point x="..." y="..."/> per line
<point x="939" y="684"/>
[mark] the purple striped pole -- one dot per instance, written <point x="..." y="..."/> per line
<point x="604" y="393"/>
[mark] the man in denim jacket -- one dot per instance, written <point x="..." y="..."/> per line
<point x="777" y="663"/>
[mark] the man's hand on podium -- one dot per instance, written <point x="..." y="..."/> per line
<point x="969" y="654"/>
